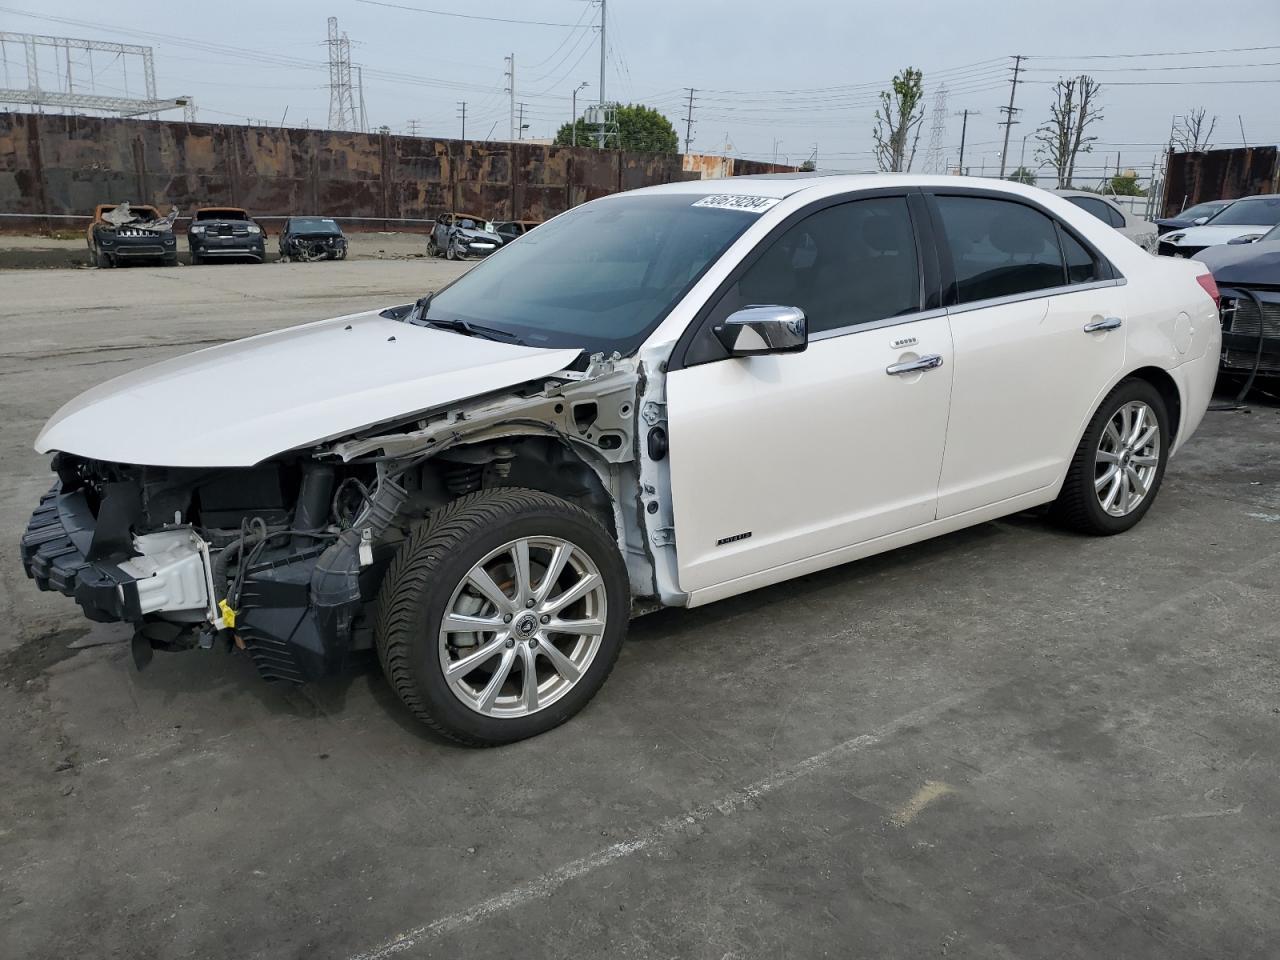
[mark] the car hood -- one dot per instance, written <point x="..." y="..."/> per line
<point x="1208" y="235"/>
<point x="477" y="235"/>
<point x="1246" y="264"/>
<point x="239" y="403"/>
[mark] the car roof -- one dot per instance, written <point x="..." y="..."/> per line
<point x="1259" y="196"/>
<point x="1081" y="193"/>
<point x="228" y="209"/>
<point x="781" y="185"/>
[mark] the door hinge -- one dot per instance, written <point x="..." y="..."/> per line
<point x="664" y="536"/>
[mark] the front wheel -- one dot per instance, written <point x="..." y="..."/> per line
<point x="502" y="615"/>
<point x="1117" y="469"/>
<point x="101" y="259"/>
<point x="450" y="252"/>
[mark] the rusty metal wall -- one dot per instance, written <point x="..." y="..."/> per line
<point x="1219" y="175"/>
<point x="65" y="165"/>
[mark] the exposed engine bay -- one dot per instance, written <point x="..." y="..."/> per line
<point x="284" y="559"/>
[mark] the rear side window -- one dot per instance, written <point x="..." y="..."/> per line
<point x="1082" y="266"/>
<point x="1000" y="248"/>
<point x="1095" y="207"/>
<point x="846" y="265"/>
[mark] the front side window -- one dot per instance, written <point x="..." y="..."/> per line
<point x="849" y="264"/>
<point x="1000" y="248"/>
<point x="1258" y="211"/>
<point x="599" y="277"/>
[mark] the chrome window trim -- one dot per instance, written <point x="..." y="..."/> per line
<point x="1036" y="294"/>
<point x="964" y="308"/>
<point x="877" y="324"/>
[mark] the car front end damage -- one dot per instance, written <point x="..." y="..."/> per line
<point x="308" y="248"/>
<point x="283" y="560"/>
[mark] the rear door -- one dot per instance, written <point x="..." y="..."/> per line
<point x="1037" y="322"/>
<point x="778" y="458"/>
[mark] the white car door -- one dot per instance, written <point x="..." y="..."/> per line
<point x="782" y="457"/>
<point x="1038" y="333"/>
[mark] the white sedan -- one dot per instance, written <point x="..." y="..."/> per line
<point x="1140" y="231"/>
<point x="1244" y="221"/>
<point x="660" y="398"/>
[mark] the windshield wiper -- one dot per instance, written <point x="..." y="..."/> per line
<point x="473" y="330"/>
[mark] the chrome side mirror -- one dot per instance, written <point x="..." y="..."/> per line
<point x="756" y="330"/>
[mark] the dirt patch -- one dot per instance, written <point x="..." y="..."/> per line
<point x="29" y="660"/>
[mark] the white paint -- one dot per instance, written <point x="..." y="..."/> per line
<point x="236" y="404"/>
<point x="543" y="886"/>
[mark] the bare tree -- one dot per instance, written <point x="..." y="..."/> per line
<point x="898" y="120"/>
<point x="1190" y="134"/>
<point x="1074" y="109"/>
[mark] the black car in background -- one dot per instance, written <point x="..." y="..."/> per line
<point x="1248" y="278"/>
<point x="312" y="238"/>
<point x="221" y="232"/>
<point x="1195" y="216"/>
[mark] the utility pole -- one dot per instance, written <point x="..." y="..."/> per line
<point x="520" y="125"/>
<point x="364" y="125"/>
<point x="1243" y="139"/>
<point x="413" y="128"/>
<point x="1009" y="111"/>
<point x="511" y="89"/>
<point x="462" y="105"/>
<point x="688" y="122"/>
<point x="574" y="124"/>
<point x="964" y="129"/>
<point x="603" y="48"/>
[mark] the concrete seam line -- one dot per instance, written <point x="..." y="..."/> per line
<point x="546" y="884"/>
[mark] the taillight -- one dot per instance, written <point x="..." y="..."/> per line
<point x="1210" y="287"/>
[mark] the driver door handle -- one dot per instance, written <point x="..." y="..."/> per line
<point x="1107" y="323"/>
<point x="929" y="362"/>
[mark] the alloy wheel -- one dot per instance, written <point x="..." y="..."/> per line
<point x="1127" y="458"/>
<point x="523" y="627"/>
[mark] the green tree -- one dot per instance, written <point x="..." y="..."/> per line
<point x="1125" y="185"/>
<point x="639" y="128"/>
<point x="1023" y="175"/>
<point x="898" y="120"/>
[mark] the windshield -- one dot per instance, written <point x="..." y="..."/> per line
<point x="313" y="225"/>
<point x="221" y="215"/>
<point x="1262" y="211"/>
<point x="600" y="277"/>
<point x="1202" y="210"/>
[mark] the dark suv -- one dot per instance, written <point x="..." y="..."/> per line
<point x="220" y="232"/>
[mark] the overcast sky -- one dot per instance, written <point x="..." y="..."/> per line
<point x="801" y="73"/>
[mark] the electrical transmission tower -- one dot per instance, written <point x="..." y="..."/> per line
<point x="933" y="161"/>
<point x="74" y="85"/>
<point x="343" y="114"/>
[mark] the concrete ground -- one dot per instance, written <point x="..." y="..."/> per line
<point x="1009" y="742"/>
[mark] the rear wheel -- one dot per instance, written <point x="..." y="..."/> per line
<point x="450" y="252"/>
<point x="502" y="615"/>
<point x="432" y="249"/>
<point x="1117" y="469"/>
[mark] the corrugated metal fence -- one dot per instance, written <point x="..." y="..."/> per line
<point x="1219" y="175"/>
<point x="64" y="165"/>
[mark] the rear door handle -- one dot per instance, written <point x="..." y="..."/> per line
<point x="929" y="362"/>
<point x="1106" y="323"/>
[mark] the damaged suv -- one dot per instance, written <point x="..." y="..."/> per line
<point x="660" y="398"/>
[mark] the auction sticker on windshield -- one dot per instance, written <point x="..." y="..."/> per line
<point x="733" y="201"/>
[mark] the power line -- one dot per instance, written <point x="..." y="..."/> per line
<point x="1167" y="53"/>
<point x="461" y="16"/>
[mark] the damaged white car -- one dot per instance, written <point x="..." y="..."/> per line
<point x="661" y="398"/>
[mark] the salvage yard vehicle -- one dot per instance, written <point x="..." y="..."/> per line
<point x="1242" y="222"/>
<point x="222" y="232"/>
<point x="1248" y="276"/>
<point x="509" y="230"/>
<point x="1142" y="232"/>
<point x="660" y="398"/>
<point x="308" y="239"/>
<point x="457" y="236"/>
<point x="1195" y="216"/>
<point x="120" y="232"/>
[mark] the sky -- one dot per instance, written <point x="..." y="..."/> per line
<point x="771" y="79"/>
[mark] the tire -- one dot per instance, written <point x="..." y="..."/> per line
<point x="1097" y="473"/>
<point x="170" y="260"/>
<point x="450" y="253"/>
<point x="102" y="260"/>
<point x="196" y="259"/>
<point x="429" y="578"/>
